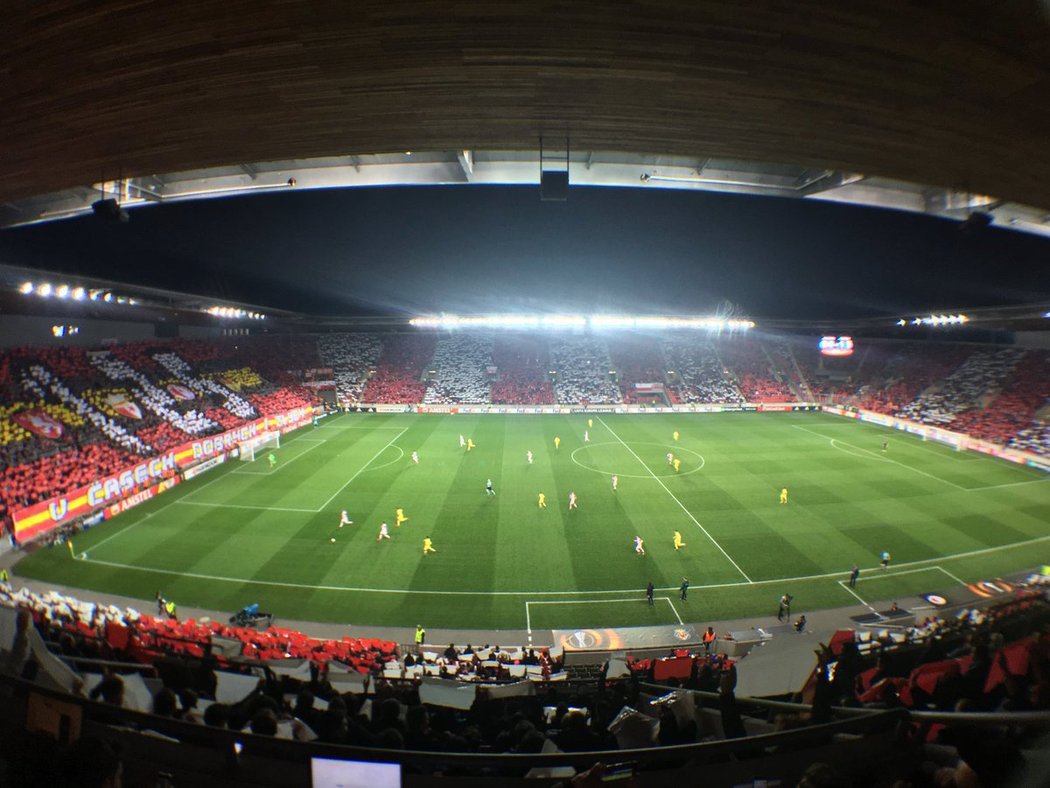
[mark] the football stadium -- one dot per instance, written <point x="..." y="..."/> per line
<point x="437" y="395"/>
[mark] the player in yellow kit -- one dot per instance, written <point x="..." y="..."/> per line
<point x="677" y="465"/>
<point x="470" y="444"/>
<point x="678" y="543"/>
<point x="676" y="436"/>
<point x="399" y="517"/>
<point x="428" y="546"/>
<point x="557" y="442"/>
<point x="784" y="495"/>
<point x="590" y="424"/>
<point x="541" y="501"/>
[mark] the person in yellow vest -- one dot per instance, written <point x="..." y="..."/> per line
<point x="5" y="577"/>
<point x="399" y="517"/>
<point x="677" y="465"/>
<point x="678" y="543"/>
<point x="541" y="501"/>
<point x="784" y="495"/>
<point x="428" y="545"/>
<point x="170" y="609"/>
<point x="420" y="636"/>
<point x="557" y="442"/>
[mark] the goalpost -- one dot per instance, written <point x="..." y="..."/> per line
<point x="955" y="440"/>
<point x="248" y="450"/>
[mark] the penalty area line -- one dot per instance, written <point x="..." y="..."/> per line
<point x="635" y="600"/>
<point x="857" y="596"/>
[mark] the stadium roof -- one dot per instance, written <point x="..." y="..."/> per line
<point x="843" y="95"/>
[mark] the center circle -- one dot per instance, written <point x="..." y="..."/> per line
<point x="636" y="460"/>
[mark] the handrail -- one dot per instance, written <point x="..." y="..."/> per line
<point x="106" y="663"/>
<point x="957" y="717"/>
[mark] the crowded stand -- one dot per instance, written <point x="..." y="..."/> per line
<point x="372" y="693"/>
<point x="893" y="375"/>
<point x="399" y="373"/>
<point x="701" y="378"/>
<point x="582" y="366"/>
<point x="522" y="368"/>
<point x="637" y="360"/>
<point x="459" y="370"/>
<point x="1017" y="405"/>
<point x="749" y="360"/>
<point x="116" y="406"/>
<point x="352" y="357"/>
<point x="964" y="388"/>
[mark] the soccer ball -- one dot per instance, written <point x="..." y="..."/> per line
<point x="332" y="540"/>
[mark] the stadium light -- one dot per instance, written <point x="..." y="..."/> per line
<point x="595" y="322"/>
<point x="26" y="288"/>
<point x="44" y="290"/>
<point x="936" y="320"/>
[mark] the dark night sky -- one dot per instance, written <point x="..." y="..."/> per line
<point x="474" y="249"/>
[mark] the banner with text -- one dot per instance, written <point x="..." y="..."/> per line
<point x="42" y="517"/>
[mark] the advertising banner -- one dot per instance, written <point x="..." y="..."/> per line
<point x="42" y="517"/>
<point x="140" y="497"/>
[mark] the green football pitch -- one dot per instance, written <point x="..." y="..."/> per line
<point x="248" y="533"/>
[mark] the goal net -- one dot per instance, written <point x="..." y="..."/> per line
<point x="951" y="439"/>
<point x="248" y="450"/>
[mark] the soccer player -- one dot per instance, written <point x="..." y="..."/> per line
<point x="677" y="464"/>
<point x="470" y="444"/>
<point x="528" y="456"/>
<point x="590" y="424"/>
<point x="428" y="545"/>
<point x="586" y="437"/>
<point x="885" y="560"/>
<point x="273" y="460"/>
<point x="676" y="436"/>
<point x="399" y="517"/>
<point x="384" y="533"/>
<point x="885" y="445"/>
<point x="557" y="442"/>
<point x="415" y="457"/>
<point x="784" y="495"/>
<point x="572" y="501"/>
<point x="639" y="545"/>
<point x="670" y="457"/>
<point x="541" y="501"/>
<point x="344" y="519"/>
<point x="678" y="543"/>
<point x="488" y="488"/>
<point x="462" y="441"/>
<point x="684" y="589"/>
<point x="615" y="482"/>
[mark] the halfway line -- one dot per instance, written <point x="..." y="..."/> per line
<point x="361" y="469"/>
<point x="675" y="497"/>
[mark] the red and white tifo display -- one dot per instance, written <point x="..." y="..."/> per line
<point x="140" y="482"/>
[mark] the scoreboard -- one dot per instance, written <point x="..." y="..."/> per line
<point x="836" y="346"/>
